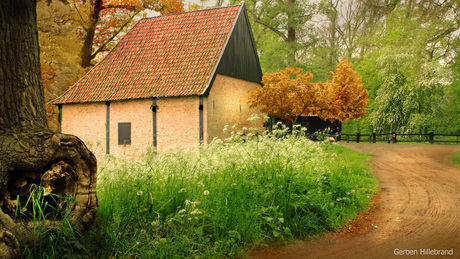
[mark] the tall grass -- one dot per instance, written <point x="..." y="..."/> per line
<point x="46" y="226"/>
<point x="224" y="198"/>
<point x="228" y="196"/>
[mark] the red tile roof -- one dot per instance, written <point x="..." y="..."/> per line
<point x="169" y="55"/>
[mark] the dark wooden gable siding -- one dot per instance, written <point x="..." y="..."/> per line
<point x="240" y="59"/>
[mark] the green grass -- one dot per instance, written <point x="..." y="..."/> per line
<point x="224" y="199"/>
<point x="455" y="158"/>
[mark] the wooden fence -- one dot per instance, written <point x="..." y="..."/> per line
<point x="396" y="137"/>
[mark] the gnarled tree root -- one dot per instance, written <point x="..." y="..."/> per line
<point x="44" y="178"/>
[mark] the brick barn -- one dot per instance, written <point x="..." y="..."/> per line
<point x="173" y="81"/>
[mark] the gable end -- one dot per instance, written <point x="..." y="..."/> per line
<point x="239" y="58"/>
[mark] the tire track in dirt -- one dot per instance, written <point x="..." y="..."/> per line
<point x="418" y="208"/>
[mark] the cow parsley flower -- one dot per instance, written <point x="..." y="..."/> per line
<point x="196" y="212"/>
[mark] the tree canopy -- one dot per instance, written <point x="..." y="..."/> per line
<point x="289" y="93"/>
<point x="418" y="95"/>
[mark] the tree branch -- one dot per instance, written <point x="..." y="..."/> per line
<point x="101" y="48"/>
<point x="81" y="18"/>
<point x="266" y="25"/>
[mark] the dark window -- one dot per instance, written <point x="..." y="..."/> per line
<point x="124" y="133"/>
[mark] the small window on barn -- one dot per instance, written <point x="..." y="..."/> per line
<point x="124" y="133"/>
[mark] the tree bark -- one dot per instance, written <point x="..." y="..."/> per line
<point x="291" y="34"/>
<point x="54" y="168"/>
<point x="87" y="49"/>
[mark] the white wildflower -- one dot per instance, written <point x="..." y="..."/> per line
<point x="181" y="211"/>
<point x="254" y="117"/>
<point x="194" y="203"/>
<point x="182" y="190"/>
<point x="206" y="192"/>
<point x="139" y="193"/>
<point x="196" y="212"/>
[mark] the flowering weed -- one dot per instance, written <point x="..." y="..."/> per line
<point x="227" y="197"/>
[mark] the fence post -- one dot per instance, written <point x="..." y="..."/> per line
<point x="374" y="137"/>
<point x="393" y="137"/>
<point x="357" y="137"/>
<point x="431" y="136"/>
<point x="348" y="138"/>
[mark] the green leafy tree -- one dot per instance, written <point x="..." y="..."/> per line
<point x="287" y="19"/>
<point x="420" y="32"/>
<point x="411" y="96"/>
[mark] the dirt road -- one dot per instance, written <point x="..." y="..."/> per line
<point x="416" y="215"/>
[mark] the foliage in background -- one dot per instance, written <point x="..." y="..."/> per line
<point x="60" y="46"/>
<point x="348" y="98"/>
<point x="289" y="93"/>
<point x="281" y="25"/>
<point x="408" y="66"/>
<point x="367" y="32"/>
<point x="224" y="199"/>
<point x="409" y="102"/>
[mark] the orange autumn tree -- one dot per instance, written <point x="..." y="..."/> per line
<point x="104" y="15"/>
<point x="286" y="94"/>
<point x="348" y="98"/>
<point x="289" y="93"/>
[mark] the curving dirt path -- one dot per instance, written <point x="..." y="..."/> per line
<point x="416" y="213"/>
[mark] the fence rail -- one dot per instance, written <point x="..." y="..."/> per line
<point x="400" y="137"/>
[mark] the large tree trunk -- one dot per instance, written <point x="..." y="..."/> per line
<point x="54" y="168"/>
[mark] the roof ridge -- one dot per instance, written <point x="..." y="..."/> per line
<point x="194" y="11"/>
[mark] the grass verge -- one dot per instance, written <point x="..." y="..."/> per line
<point x="455" y="158"/>
<point x="224" y="199"/>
